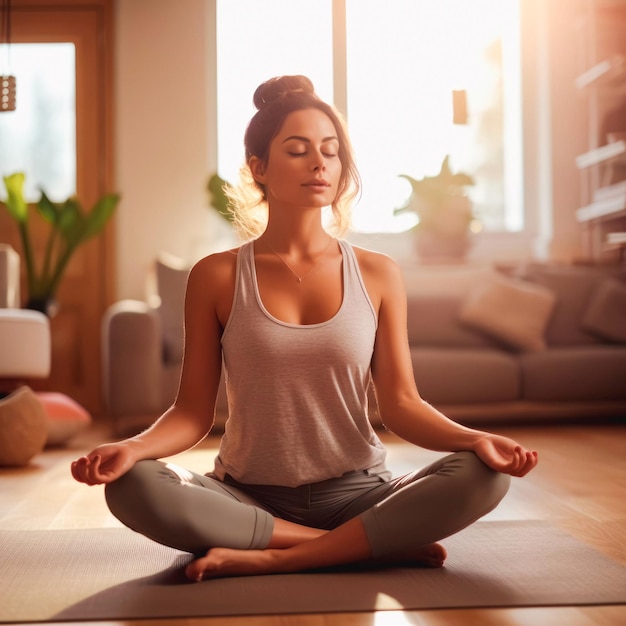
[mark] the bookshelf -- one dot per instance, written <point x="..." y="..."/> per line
<point x="602" y="167"/>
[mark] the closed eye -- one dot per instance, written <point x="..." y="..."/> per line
<point x="328" y="155"/>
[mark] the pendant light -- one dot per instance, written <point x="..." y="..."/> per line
<point x="7" y="81"/>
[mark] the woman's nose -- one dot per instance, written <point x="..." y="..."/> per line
<point x="319" y="163"/>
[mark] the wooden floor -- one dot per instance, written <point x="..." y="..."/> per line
<point x="579" y="485"/>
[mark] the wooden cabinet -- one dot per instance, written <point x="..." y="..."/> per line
<point x="602" y="81"/>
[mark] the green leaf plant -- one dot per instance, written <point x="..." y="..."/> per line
<point x="70" y="224"/>
<point x="218" y="198"/>
<point x="435" y="198"/>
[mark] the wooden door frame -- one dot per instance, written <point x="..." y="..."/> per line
<point x="89" y="25"/>
<point x="103" y="181"/>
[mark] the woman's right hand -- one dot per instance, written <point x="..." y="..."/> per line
<point x="104" y="464"/>
<point x="210" y="289"/>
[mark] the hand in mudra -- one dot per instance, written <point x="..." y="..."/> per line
<point x="505" y="455"/>
<point x="103" y="465"/>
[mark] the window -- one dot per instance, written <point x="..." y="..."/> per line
<point x="39" y="137"/>
<point x="397" y="63"/>
<point x="258" y="40"/>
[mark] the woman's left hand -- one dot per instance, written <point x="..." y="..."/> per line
<point x="505" y="455"/>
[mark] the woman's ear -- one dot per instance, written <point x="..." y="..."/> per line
<point x="257" y="169"/>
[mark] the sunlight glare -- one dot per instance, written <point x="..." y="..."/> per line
<point x="391" y="618"/>
<point x="400" y="96"/>
<point x="404" y="59"/>
<point x="256" y="41"/>
<point x="45" y="117"/>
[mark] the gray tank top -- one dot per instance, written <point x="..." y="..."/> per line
<point x="297" y="395"/>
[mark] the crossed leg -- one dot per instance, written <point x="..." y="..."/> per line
<point x="347" y="543"/>
<point x="403" y="522"/>
<point x="416" y="511"/>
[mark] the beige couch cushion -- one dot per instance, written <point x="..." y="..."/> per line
<point x="606" y="313"/>
<point x="468" y="376"/>
<point x="433" y="321"/>
<point x="514" y="311"/>
<point x="574" y="288"/>
<point x="574" y="374"/>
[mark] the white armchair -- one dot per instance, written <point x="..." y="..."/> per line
<point x="24" y="334"/>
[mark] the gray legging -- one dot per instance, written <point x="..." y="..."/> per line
<point x="193" y="513"/>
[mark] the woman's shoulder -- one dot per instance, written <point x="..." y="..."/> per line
<point x="217" y="269"/>
<point x="381" y="275"/>
<point x="212" y="283"/>
<point x="375" y="263"/>
<point x="217" y="261"/>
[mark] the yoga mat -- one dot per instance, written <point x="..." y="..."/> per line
<point x="115" y="574"/>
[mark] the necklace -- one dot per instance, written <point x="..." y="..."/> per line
<point x="315" y="263"/>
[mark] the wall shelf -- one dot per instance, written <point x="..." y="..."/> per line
<point x="601" y="208"/>
<point x="616" y="239"/>
<point x="609" y="68"/>
<point x="602" y="82"/>
<point x="601" y="154"/>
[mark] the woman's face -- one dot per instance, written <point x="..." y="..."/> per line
<point x="303" y="166"/>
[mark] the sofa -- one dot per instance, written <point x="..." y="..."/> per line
<point x="532" y="342"/>
<point x="527" y="342"/>
<point x="142" y="350"/>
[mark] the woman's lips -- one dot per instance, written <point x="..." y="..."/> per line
<point x="317" y="184"/>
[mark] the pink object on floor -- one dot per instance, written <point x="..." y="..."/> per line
<point x="66" y="417"/>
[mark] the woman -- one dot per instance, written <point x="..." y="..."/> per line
<point x="301" y="321"/>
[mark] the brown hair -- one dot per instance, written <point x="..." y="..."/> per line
<point x="275" y="99"/>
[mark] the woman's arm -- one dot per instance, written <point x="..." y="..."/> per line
<point x="190" y="418"/>
<point x="401" y="407"/>
<point x="192" y="415"/>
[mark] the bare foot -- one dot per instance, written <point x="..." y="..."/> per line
<point x="432" y="555"/>
<point x="223" y="562"/>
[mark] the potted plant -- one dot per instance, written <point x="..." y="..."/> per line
<point x="218" y="198"/>
<point x="444" y="212"/>
<point x="70" y="227"/>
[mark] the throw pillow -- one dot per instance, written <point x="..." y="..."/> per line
<point x="513" y="311"/>
<point x="171" y="276"/>
<point x="606" y="312"/>
<point x="65" y="417"/>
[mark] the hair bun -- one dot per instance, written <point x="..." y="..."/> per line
<point x="280" y="86"/>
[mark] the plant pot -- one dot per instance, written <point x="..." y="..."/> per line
<point x="433" y="247"/>
<point x="48" y="305"/>
<point x="443" y="235"/>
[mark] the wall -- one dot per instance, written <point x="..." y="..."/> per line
<point x="553" y="129"/>
<point x="164" y="134"/>
<point x="568" y="128"/>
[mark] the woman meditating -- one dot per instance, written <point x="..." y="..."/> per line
<point x="302" y="322"/>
